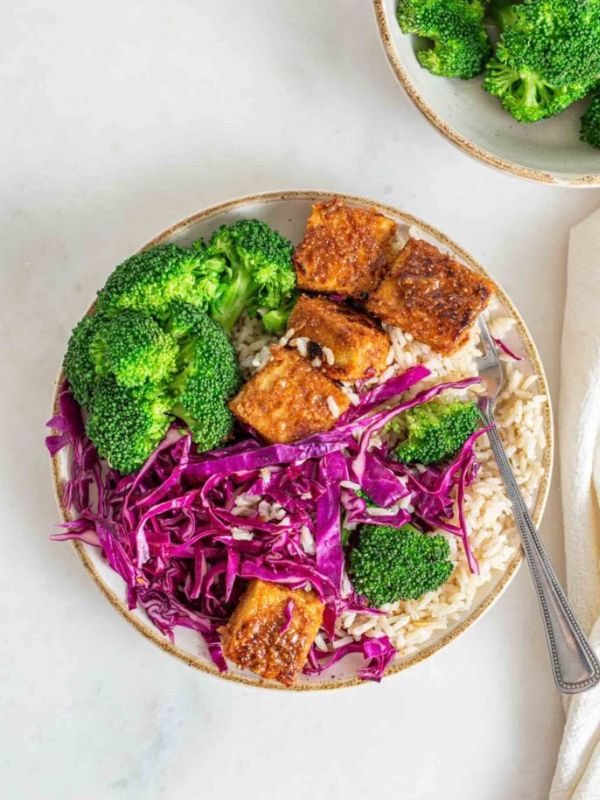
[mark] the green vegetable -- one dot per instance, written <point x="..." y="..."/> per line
<point x="434" y="431"/>
<point x="78" y="364"/>
<point x="458" y="42"/>
<point x="151" y="280"/>
<point x="127" y="423"/>
<point x="208" y="376"/>
<point x="152" y="352"/>
<point x="257" y="273"/>
<point x="245" y="267"/>
<point x="590" y="123"/>
<point x="548" y="56"/>
<point x="364" y="496"/>
<point x="275" y="321"/>
<point x="134" y="373"/>
<point x="501" y="13"/>
<point x="134" y="348"/>
<point x="390" y="564"/>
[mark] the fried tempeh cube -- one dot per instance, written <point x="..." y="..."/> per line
<point x="431" y="295"/>
<point x="271" y="630"/>
<point x="289" y="399"/>
<point x="344" y="249"/>
<point x="358" y="345"/>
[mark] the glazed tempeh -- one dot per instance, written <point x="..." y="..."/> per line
<point x="288" y="399"/>
<point x="357" y="344"/>
<point x="344" y="249"/>
<point x="272" y="629"/>
<point x="431" y="295"/>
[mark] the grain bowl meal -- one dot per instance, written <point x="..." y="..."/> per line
<point x="280" y="447"/>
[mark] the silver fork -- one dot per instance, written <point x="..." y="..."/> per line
<point x="574" y="665"/>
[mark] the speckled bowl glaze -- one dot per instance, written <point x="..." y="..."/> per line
<point x="547" y="151"/>
<point x="288" y="212"/>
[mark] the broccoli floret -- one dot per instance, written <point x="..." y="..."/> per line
<point x="203" y="342"/>
<point x="151" y="280"/>
<point x="257" y="263"/>
<point x="135" y="374"/>
<point x="459" y="44"/>
<point x="434" y="431"/>
<point x="152" y="352"/>
<point x="211" y="275"/>
<point x="526" y="94"/>
<point x="245" y="267"/>
<point x="590" y="123"/>
<point x="390" y="564"/>
<point x="134" y="348"/>
<point x="501" y="13"/>
<point x="211" y="423"/>
<point x="548" y="56"/>
<point x="78" y="364"/>
<point x="208" y="376"/>
<point x="126" y="424"/>
<point x="275" y="321"/>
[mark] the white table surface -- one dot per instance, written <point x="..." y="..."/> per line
<point x="118" y="119"/>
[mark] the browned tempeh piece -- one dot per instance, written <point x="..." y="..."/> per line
<point x="357" y="343"/>
<point x="344" y="249"/>
<point x="287" y="399"/>
<point x="431" y="295"/>
<point x="258" y="636"/>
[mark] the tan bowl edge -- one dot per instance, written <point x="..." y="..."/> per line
<point x="585" y="181"/>
<point x="151" y="633"/>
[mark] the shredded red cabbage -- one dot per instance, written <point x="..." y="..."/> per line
<point x="330" y="555"/>
<point x="385" y="391"/>
<point x="379" y="653"/>
<point x="186" y="532"/>
<point x="506" y="349"/>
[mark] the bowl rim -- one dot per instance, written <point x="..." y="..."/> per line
<point x="547" y="177"/>
<point x="196" y="662"/>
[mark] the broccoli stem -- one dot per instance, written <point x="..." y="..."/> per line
<point x="233" y="301"/>
<point x="179" y="411"/>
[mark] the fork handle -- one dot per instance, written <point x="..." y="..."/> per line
<point x="574" y="665"/>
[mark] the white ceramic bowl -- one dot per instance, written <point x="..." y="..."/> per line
<point x="549" y="151"/>
<point x="288" y="213"/>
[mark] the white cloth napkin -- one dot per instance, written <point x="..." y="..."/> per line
<point x="577" y="775"/>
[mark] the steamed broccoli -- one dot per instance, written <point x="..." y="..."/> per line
<point x="208" y="376"/>
<point x="389" y="564"/>
<point x="126" y="424"/>
<point x="459" y="44"/>
<point x="501" y="12"/>
<point x="257" y="271"/>
<point x="246" y="266"/>
<point x="434" y="431"/>
<point x="153" y="351"/>
<point x="275" y="321"/>
<point x="590" y="123"/>
<point x="151" y="280"/>
<point x="78" y="364"/>
<point x="133" y="347"/>
<point x="135" y="373"/>
<point x="210" y="421"/>
<point x="548" y="56"/>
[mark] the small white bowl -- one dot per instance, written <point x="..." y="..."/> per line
<point x="548" y="151"/>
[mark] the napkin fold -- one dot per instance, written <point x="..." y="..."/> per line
<point x="577" y="775"/>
